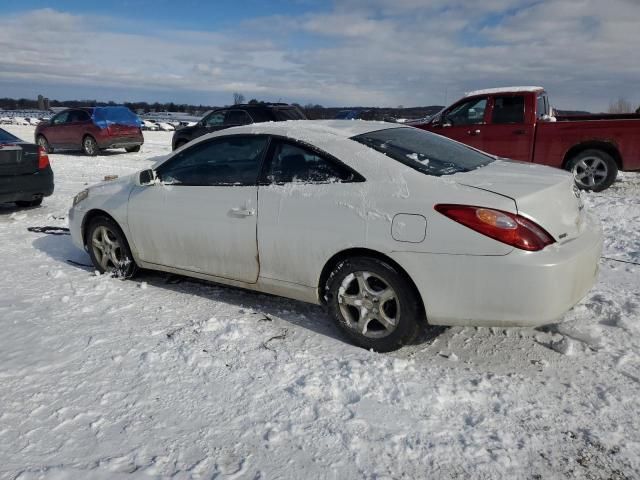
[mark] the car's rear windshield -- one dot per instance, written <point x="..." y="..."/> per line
<point x="6" y="137"/>
<point x="283" y="114"/>
<point x="119" y="115"/>
<point x="423" y="151"/>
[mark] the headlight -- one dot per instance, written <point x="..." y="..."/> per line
<point x="80" y="197"/>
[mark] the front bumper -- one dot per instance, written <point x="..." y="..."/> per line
<point x="29" y="187"/>
<point x="519" y="289"/>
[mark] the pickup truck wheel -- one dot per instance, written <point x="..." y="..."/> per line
<point x="593" y="170"/>
<point x="90" y="146"/>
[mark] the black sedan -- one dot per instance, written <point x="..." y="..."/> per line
<point x="25" y="173"/>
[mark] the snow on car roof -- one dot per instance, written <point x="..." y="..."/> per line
<point x="340" y="128"/>
<point x="489" y="91"/>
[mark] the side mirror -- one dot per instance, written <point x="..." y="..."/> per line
<point x="147" y="177"/>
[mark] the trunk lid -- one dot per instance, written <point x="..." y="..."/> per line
<point x="18" y="159"/>
<point x="543" y="194"/>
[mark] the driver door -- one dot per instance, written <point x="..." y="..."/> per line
<point x="464" y="122"/>
<point x="202" y="215"/>
<point x="56" y="130"/>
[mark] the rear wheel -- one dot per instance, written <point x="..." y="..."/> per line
<point x="42" y="141"/>
<point x="108" y="248"/>
<point x="90" y="146"/>
<point x="373" y="304"/>
<point x="593" y="170"/>
<point x="133" y="149"/>
<point x="29" y="203"/>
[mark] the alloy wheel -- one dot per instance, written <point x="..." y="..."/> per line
<point x="589" y="172"/>
<point x="368" y="304"/>
<point x="107" y="249"/>
<point x="90" y="146"/>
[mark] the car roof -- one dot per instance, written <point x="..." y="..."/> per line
<point x="490" y="91"/>
<point x="312" y="129"/>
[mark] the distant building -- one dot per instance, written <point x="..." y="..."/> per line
<point x="40" y="102"/>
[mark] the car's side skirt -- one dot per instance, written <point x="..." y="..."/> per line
<point x="271" y="286"/>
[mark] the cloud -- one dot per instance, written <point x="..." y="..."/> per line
<point x="358" y="52"/>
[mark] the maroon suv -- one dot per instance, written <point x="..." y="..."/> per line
<point x="91" y="129"/>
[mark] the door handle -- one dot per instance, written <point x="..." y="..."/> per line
<point x="242" y="212"/>
<point x="474" y="132"/>
<point x="519" y="132"/>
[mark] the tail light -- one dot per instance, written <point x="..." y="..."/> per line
<point x="509" y="228"/>
<point x="43" y="158"/>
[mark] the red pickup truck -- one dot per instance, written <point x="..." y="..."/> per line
<point x="518" y="123"/>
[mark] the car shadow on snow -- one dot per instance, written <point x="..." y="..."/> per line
<point x="309" y="316"/>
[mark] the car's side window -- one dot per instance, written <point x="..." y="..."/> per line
<point x="77" y="116"/>
<point x="232" y="160"/>
<point x="291" y="162"/>
<point x="215" y="119"/>
<point x="237" y="117"/>
<point x="508" y="109"/>
<point x="467" y="113"/>
<point x="60" y="118"/>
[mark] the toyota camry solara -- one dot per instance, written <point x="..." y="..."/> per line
<point x="390" y="227"/>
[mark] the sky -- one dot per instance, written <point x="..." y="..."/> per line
<point x="342" y="53"/>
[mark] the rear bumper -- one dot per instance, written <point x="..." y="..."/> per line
<point x="120" y="142"/>
<point x="26" y="187"/>
<point x="519" y="289"/>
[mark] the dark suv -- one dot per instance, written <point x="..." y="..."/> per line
<point x="234" y="116"/>
<point x="91" y="129"/>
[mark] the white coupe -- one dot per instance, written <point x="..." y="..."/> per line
<point x="389" y="226"/>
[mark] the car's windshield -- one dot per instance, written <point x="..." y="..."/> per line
<point x="6" y="137"/>
<point x="119" y="115"/>
<point x="423" y="151"/>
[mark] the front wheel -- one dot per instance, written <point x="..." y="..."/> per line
<point x="90" y="146"/>
<point x="373" y="304"/>
<point x="132" y="149"/>
<point x="593" y="170"/>
<point x="108" y="248"/>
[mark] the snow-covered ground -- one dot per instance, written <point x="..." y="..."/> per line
<point x="168" y="377"/>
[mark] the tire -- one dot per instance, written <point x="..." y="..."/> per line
<point x="109" y="249"/>
<point x="29" y="203"/>
<point x="90" y="146"/>
<point x="133" y="149"/>
<point x="44" y="143"/>
<point x="373" y="304"/>
<point x="180" y="143"/>
<point x="593" y="170"/>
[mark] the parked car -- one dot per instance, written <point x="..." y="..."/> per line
<point x="150" y="125"/>
<point x="91" y="129"/>
<point x="25" y="174"/>
<point x="387" y="225"/>
<point x="236" y="115"/>
<point x="517" y="123"/>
